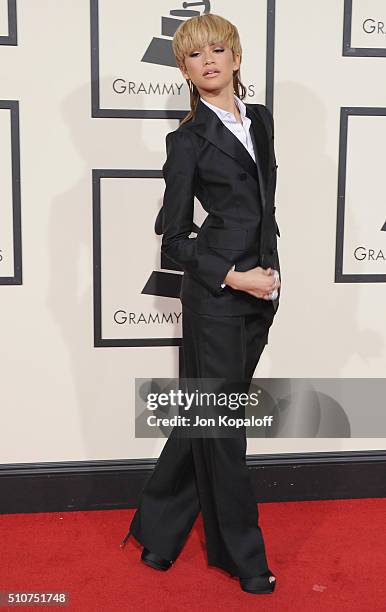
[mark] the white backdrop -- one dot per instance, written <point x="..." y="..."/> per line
<point x="62" y="397"/>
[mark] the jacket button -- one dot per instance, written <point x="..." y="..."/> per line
<point x="243" y="176"/>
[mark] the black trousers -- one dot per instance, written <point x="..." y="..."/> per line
<point x="209" y="474"/>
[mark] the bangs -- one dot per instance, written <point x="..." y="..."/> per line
<point x="208" y="29"/>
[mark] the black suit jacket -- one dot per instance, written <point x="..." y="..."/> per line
<point x="205" y="159"/>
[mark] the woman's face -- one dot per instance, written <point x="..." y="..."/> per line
<point x="214" y="57"/>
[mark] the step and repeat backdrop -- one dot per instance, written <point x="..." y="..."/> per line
<point x="88" y="91"/>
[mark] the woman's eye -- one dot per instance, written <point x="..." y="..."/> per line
<point x="195" y="53"/>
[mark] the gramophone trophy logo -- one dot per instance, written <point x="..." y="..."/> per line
<point x="133" y="68"/>
<point x="160" y="49"/>
<point x="130" y="65"/>
<point x="166" y="284"/>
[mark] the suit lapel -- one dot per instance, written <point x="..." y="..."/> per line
<point x="208" y="125"/>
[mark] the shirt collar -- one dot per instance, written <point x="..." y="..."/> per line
<point x="223" y="114"/>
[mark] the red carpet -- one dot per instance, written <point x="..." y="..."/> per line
<point x="328" y="556"/>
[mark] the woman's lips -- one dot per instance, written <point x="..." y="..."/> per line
<point x="211" y="75"/>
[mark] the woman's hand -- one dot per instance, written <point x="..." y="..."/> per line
<point x="258" y="281"/>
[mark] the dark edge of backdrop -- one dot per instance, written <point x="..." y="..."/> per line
<point x="113" y="484"/>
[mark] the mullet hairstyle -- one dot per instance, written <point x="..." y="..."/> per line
<point x="197" y="32"/>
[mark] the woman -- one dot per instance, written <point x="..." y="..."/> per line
<point x="222" y="152"/>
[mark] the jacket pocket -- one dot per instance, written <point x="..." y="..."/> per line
<point x="223" y="238"/>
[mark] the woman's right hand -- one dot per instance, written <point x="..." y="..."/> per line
<point x="258" y="281"/>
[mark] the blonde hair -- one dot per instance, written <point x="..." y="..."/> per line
<point x="197" y="32"/>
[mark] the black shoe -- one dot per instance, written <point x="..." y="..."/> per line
<point x="154" y="561"/>
<point x="122" y="544"/>
<point x="258" y="584"/>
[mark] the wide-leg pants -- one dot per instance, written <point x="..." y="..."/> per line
<point x="209" y="474"/>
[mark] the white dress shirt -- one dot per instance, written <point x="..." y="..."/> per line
<point x="240" y="130"/>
